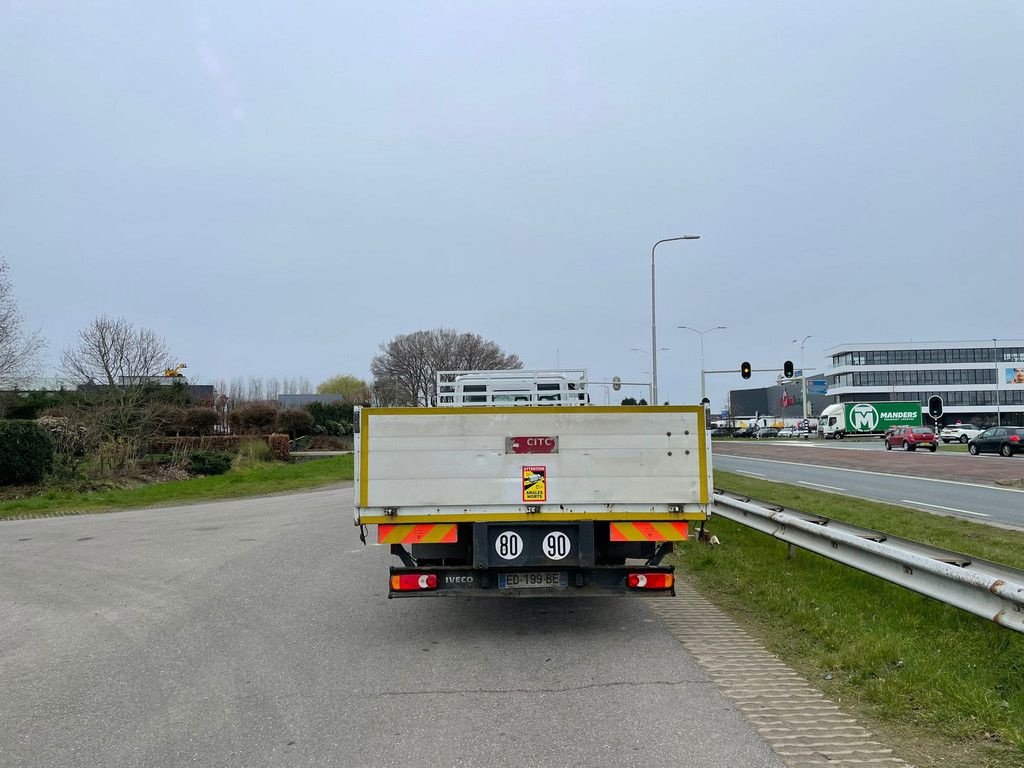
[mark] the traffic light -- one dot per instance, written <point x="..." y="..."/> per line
<point x="935" y="406"/>
<point x="787" y="369"/>
<point x="745" y="369"/>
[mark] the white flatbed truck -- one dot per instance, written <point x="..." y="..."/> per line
<point x="551" y="497"/>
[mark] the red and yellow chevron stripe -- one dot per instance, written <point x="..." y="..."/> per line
<point x="426" y="533"/>
<point x="648" y="531"/>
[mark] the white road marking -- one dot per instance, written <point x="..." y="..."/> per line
<point x="819" y="485"/>
<point x="752" y="474"/>
<point x="948" y="509"/>
<point x="869" y="472"/>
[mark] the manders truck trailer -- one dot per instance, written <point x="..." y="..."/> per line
<point x="514" y="485"/>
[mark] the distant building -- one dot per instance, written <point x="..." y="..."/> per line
<point x="300" y="401"/>
<point x="782" y="401"/>
<point x="980" y="382"/>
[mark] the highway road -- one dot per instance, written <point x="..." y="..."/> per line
<point x="258" y="633"/>
<point x="978" y="501"/>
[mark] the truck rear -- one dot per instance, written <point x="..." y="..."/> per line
<point x="531" y="500"/>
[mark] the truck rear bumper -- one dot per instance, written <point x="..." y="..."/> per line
<point x="570" y="581"/>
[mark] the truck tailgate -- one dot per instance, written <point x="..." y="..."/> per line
<point x="522" y="463"/>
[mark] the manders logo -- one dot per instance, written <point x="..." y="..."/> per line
<point x="863" y="417"/>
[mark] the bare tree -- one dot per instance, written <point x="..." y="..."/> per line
<point x="112" y="351"/>
<point x="409" y="363"/>
<point x="19" y="349"/>
<point x="125" y="366"/>
<point x="236" y="390"/>
<point x="254" y="389"/>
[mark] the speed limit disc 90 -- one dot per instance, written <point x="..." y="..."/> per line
<point x="556" y="545"/>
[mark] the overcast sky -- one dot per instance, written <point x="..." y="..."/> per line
<point x="278" y="188"/>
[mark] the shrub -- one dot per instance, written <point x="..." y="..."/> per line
<point x="295" y="421"/>
<point x="220" y="443"/>
<point x="168" y="419"/>
<point x="209" y="463"/>
<point x="254" y="418"/>
<point x="26" y="452"/>
<point x="329" y="443"/>
<point x="29" y="405"/>
<point x="254" y="451"/>
<point x="72" y="441"/>
<point x="200" y="421"/>
<point x="331" y="418"/>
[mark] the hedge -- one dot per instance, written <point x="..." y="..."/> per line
<point x="209" y="463"/>
<point x="26" y="452"/>
<point x="221" y="443"/>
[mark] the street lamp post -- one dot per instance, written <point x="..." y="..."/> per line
<point x="803" y="375"/>
<point x="703" y="390"/>
<point x="654" y="322"/>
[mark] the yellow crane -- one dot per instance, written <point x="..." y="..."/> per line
<point x="175" y="372"/>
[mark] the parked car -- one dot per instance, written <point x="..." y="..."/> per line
<point x="789" y="432"/>
<point x="720" y="432"/>
<point x="1005" y="441"/>
<point x="959" y="432"/>
<point x="911" y="438"/>
<point x="765" y="432"/>
<point x="745" y="432"/>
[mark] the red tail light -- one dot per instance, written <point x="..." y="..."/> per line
<point x="650" y="580"/>
<point x="412" y="582"/>
<point x="1014" y="439"/>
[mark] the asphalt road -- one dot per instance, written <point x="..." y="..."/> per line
<point x="258" y="633"/>
<point x="973" y="501"/>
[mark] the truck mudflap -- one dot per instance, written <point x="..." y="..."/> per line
<point x="552" y="581"/>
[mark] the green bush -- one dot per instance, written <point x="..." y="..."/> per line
<point x="26" y="452"/>
<point x="331" y="418"/>
<point x="294" y="422"/>
<point x="209" y="463"/>
<point x="29" y="405"/>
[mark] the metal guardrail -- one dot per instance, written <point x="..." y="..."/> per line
<point x="989" y="590"/>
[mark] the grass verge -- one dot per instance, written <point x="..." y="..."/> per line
<point x="944" y="687"/>
<point x="245" y="480"/>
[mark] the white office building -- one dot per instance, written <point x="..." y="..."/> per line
<point x="981" y="382"/>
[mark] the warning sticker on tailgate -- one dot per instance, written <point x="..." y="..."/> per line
<point x="535" y="483"/>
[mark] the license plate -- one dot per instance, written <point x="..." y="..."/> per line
<point x="533" y="580"/>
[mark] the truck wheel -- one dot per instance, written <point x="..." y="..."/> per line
<point x="839" y="435"/>
<point x="964" y="438"/>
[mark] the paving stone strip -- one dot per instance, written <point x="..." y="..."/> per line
<point x="800" y="724"/>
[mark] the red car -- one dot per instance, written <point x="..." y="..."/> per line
<point x="911" y="438"/>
